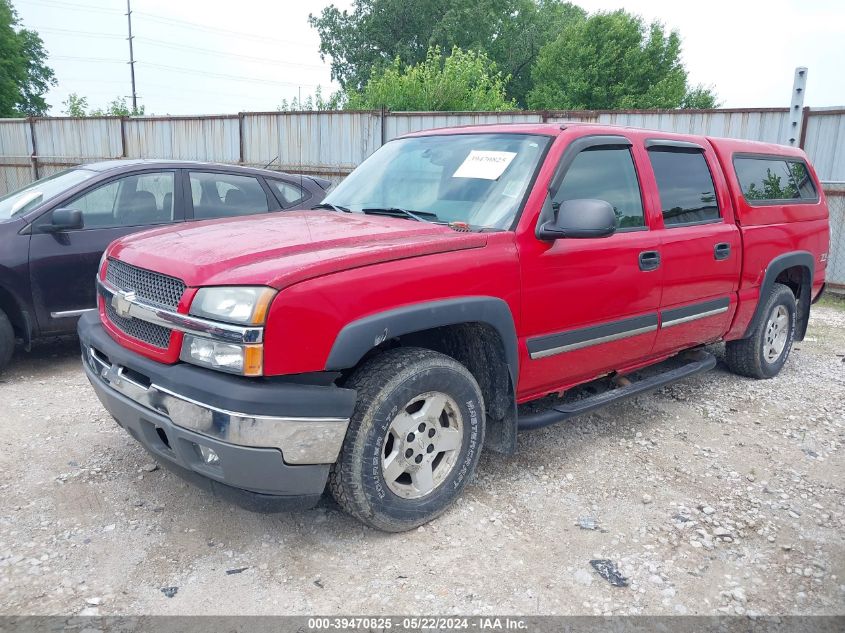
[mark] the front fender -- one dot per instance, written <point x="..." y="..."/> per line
<point x="359" y="337"/>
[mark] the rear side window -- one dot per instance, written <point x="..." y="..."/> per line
<point x="287" y="193"/>
<point x="687" y="192"/>
<point x="605" y="173"/>
<point x="767" y="179"/>
<point x="226" y="195"/>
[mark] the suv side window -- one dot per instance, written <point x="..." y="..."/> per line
<point x="133" y="200"/>
<point x="687" y="192"/>
<point x="287" y="193"/>
<point x="605" y="173"/>
<point x="226" y="195"/>
<point x="766" y="178"/>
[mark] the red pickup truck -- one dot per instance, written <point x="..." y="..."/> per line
<point x="377" y="343"/>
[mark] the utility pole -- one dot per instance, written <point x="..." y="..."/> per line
<point x="799" y="86"/>
<point x="131" y="57"/>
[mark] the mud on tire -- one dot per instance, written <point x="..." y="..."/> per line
<point x="760" y="355"/>
<point x="396" y="426"/>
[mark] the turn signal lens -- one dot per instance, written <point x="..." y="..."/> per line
<point x="253" y="360"/>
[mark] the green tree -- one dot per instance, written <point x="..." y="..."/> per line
<point x="118" y="107"/>
<point x="377" y="32"/>
<point x="614" y="60"/>
<point x="317" y="102"/>
<point x="24" y="76"/>
<point x="78" y="106"/>
<point x="75" y="105"/>
<point x="465" y="80"/>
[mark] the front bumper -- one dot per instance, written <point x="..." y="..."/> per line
<point x="274" y="440"/>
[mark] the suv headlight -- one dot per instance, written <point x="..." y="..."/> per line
<point x="245" y="305"/>
<point x="229" y="304"/>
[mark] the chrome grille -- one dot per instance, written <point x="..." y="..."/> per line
<point x="155" y="288"/>
<point x="151" y="333"/>
<point x="150" y="286"/>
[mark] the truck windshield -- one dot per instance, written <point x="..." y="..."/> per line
<point x="474" y="179"/>
<point x="23" y="200"/>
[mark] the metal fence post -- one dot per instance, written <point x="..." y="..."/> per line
<point x="33" y="158"/>
<point x="240" y="138"/>
<point x="795" y="119"/>
<point x="123" y="136"/>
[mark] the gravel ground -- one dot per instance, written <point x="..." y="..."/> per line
<point x="716" y="495"/>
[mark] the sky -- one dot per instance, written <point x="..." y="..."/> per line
<point x="214" y="57"/>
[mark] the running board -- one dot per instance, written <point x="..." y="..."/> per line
<point x="703" y="362"/>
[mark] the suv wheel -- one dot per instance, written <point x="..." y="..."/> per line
<point x="413" y="441"/>
<point x="7" y="340"/>
<point x="763" y="354"/>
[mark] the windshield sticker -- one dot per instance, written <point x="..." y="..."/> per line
<point x="488" y="165"/>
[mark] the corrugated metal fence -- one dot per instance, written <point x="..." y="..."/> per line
<point x="331" y="144"/>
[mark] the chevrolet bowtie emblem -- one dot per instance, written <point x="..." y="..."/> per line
<point x="122" y="302"/>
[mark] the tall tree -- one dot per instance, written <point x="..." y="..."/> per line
<point x="376" y="32"/>
<point x="614" y="60"/>
<point x="465" y="80"/>
<point x="24" y="75"/>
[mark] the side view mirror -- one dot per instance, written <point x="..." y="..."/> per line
<point x="64" y="220"/>
<point x="583" y="218"/>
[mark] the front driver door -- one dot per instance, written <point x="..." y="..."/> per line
<point x="63" y="266"/>
<point x="590" y="305"/>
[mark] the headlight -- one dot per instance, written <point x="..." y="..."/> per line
<point x="232" y="304"/>
<point x="245" y="360"/>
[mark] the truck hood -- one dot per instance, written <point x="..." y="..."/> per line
<point x="284" y="248"/>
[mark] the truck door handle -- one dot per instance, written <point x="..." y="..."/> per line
<point x="722" y="250"/>
<point x="649" y="260"/>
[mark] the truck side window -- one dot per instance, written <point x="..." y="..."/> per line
<point x="687" y="192"/>
<point x="767" y="178"/>
<point x="605" y="173"/>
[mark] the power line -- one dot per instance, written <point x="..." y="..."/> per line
<point x="208" y="51"/>
<point x="88" y="59"/>
<point x="73" y="32"/>
<point x="213" y="29"/>
<point x="187" y="71"/>
<point x="56" y="4"/>
<point x="205" y="73"/>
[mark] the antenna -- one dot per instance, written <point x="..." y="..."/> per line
<point x="131" y="57"/>
<point x="299" y="128"/>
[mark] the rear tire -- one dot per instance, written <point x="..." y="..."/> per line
<point x="7" y="340"/>
<point x="413" y="442"/>
<point x="763" y="354"/>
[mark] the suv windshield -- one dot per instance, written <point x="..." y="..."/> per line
<point x="477" y="179"/>
<point x="23" y="200"/>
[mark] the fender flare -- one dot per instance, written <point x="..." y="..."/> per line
<point x="802" y="259"/>
<point x="359" y="337"/>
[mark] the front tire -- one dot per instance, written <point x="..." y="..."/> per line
<point x="413" y="442"/>
<point x="764" y="353"/>
<point x="7" y="340"/>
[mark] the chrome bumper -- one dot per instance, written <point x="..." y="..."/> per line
<point x="301" y="440"/>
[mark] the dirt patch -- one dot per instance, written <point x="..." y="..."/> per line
<point x="717" y="495"/>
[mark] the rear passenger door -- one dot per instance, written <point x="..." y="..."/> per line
<point x="700" y="244"/>
<point x="213" y="195"/>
